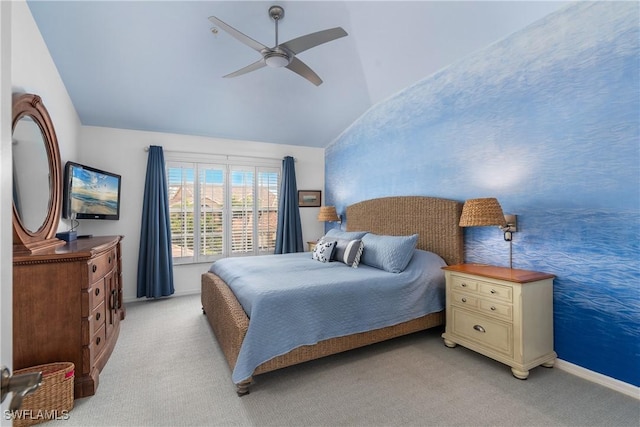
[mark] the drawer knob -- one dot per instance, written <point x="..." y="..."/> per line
<point x="97" y="316"/>
<point x="493" y="308"/>
<point x="479" y="328"/>
<point x="98" y="341"/>
<point x="109" y="260"/>
<point x="94" y="268"/>
<point x="464" y="300"/>
<point x="97" y="291"/>
<point x="493" y="291"/>
<point x="464" y="285"/>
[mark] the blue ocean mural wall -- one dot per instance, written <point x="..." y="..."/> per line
<point x="547" y="121"/>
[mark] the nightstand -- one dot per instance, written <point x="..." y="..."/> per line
<point x="311" y="246"/>
<point x="503" y="313"/>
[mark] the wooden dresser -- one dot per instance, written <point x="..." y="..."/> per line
<point x="503" y="313"/>
<point x="67" y="307"/>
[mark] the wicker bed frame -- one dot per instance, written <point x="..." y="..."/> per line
<point x="434" y="219"/>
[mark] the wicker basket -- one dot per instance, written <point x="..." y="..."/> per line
<point x="52" y="400"/>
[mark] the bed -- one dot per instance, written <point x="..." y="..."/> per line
<point x="434" y="220"/>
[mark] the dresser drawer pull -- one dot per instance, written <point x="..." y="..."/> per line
<point x="98" y="341"/>
<point x="493" y="291"/>
<point x="464" y="285"/>
<point x="109" y="260"/>
<point x="493" y="308"/>
<point x="464" y="300"/>
<point x="97" y="316"/>
<point x="94" y="268"/>
<point x="479" y="328"/>
<point x="97" y="291"/>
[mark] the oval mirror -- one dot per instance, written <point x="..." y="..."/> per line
<point x="37" y="198"/>
<point x="31" y="183"/>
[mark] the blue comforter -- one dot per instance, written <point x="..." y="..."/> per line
<point x="293" y="300"/>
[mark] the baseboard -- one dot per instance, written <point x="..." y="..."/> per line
<point x="612" y="383"/>
<point x="177" y="294"/>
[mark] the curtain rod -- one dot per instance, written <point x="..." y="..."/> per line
<point x="146" y="149"/>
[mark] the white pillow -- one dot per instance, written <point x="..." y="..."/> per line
<point x="323" y="250"/>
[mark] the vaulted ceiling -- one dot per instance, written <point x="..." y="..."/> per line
<point x="158" y="66"/>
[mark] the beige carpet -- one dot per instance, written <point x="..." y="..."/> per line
<point x="167" y="370"/>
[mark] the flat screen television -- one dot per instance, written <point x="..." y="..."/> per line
<point x="90" y="193"/>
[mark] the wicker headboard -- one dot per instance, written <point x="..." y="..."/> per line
<point x="434" y="219"/>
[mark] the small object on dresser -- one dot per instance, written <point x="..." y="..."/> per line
<point x="67" y="236"/>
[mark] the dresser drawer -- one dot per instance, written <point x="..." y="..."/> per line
<point x="98" y="317"/>
<point x="464" y="300"/>
<point x="92" y="297"/>
<point x="96" y="294"/>
<point x="463" y="284"/>
<point x="491" y="334"/>
<point x="493" y="290"/>
<point x="92" y="350"/>
<point x="101" y="265"/>
<point x="91" y="325"/>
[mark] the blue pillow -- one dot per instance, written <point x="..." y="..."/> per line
<point x="346" y="235"/>
<point x="389" y="253"/>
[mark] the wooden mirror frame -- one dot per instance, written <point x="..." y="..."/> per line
<point x="26" y="241"/>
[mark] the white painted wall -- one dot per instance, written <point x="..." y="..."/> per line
<point x="122" y="152"/>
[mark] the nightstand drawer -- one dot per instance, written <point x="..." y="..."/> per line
<point x="492" y="334"/>
<point x="492" y="308"/>
<point x="463" y="284"/>
<point x="494" y="290"/>
<point x="464" y="300"/>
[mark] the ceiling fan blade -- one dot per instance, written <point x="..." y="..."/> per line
<point x="303" y="43"/>
<point x="302" y="69"/>
<point x="251" y="67"/>
<point x="238" y="35"/>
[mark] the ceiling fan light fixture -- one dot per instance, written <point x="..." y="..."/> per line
<point x="276" y="59"/>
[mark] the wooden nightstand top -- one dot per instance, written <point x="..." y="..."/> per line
<point x="500" y="273"/>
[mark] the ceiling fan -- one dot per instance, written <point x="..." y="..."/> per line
<point x="284" y="54"/>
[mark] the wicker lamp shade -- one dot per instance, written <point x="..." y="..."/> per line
<point x="328" y="213"/>
<point x="481" y="212"/>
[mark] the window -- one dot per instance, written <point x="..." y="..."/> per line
<point x="222" y="208"/>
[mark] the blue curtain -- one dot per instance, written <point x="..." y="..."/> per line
<point x="289" y="231"/>
<point x="155" y="263"/>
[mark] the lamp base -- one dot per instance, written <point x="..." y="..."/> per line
<point x="67" y="236"/>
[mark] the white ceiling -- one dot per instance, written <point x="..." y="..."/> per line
<point x="157" y="66"/>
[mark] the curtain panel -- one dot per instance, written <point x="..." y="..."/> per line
<point x="289" y="231"/>
<point x="155" y="264"/>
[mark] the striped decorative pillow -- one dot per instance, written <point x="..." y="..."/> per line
<point x="348" y="251"/>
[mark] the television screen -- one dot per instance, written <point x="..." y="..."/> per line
<point x="90" y="193"/>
